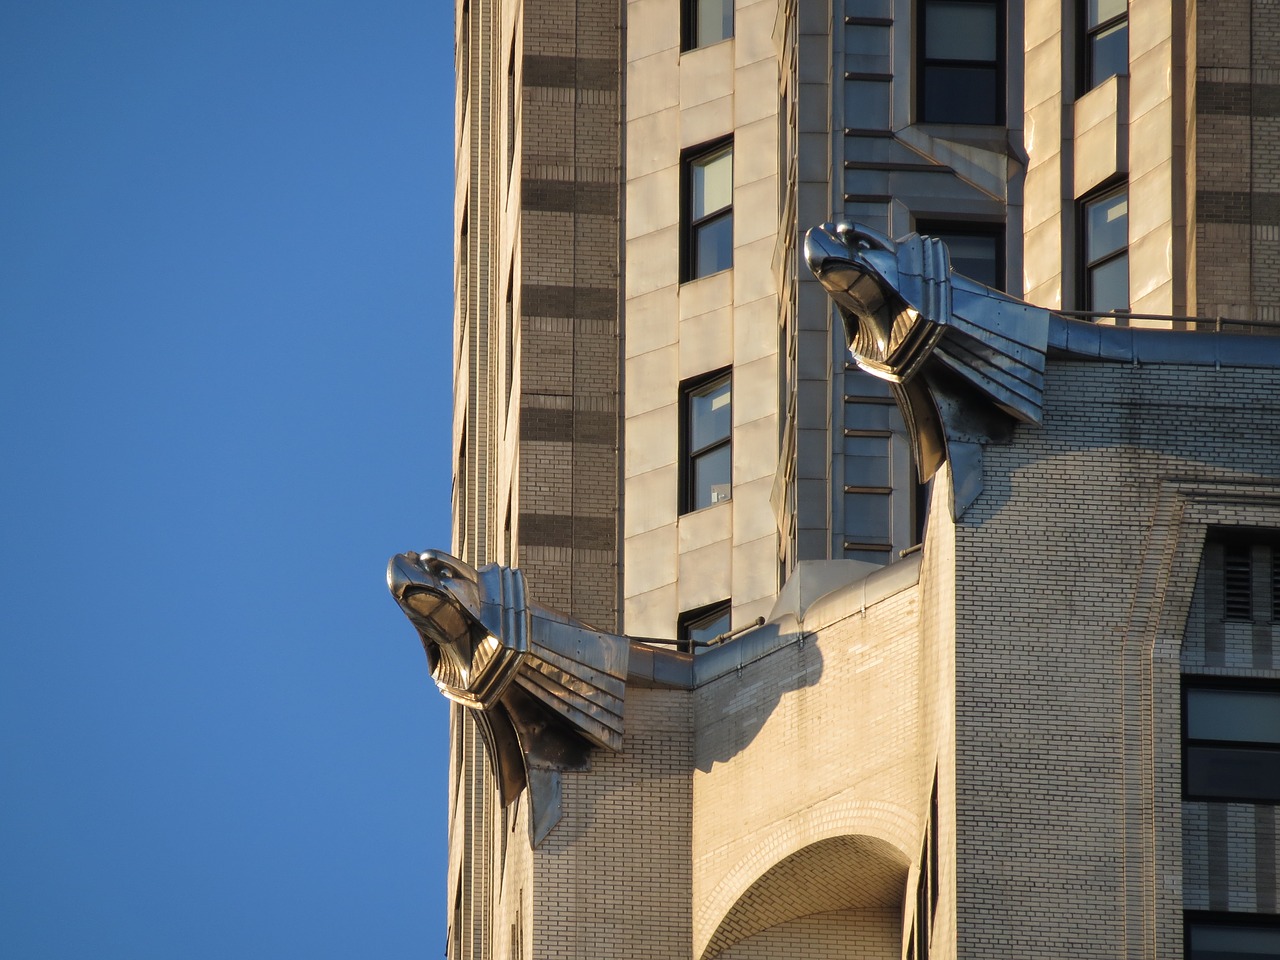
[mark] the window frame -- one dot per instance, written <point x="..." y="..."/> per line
<point x="1236" y="920"/>
<point x="1087" y="35"/>
<point x="700" y="616"/>
<point x="971" y="228"/>
<point x="999" y="66"/>
<point x="698" y="386"/>
<point x="1087" y="266"/>
<point x="689" y="225"/>
<point x="1192" y="682"/>
<point x="689" y="26"/>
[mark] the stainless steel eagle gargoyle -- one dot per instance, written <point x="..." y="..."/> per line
<point x="542" y="687"/>
<point x="964" y="361"/>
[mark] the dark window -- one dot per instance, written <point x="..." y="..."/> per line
<point x="512" y="99"/>
<point x="961" y="61"/>
<point x="976" y="251"/>
<point x="707" y="22"/>
<point x="1231" y="741"/>
<point x="1106" y="40"/>
<point x="708" y="427"/>
<point x="1231" y="937"/>
<point x="708" y="235"/>
<point x="933" y="849"/>
<point x="699" y="627"/>
<point x="1106" y="252"/>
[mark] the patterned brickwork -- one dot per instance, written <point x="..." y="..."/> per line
<point x="1235" y="161"/>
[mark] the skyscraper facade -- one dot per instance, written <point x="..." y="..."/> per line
<point x="976" y="718"/>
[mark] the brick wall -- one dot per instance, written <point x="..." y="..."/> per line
<point x="1074" y="577"/>
<point x="1236" y="158"/>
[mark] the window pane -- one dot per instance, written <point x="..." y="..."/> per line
<point x="1108" y="53"/>
<point x="712" y="473"/>
<point x="1250" y="716"/>
<point x="1106" y="226"/>
<point x="960" y="95"/>
<point x="866" y="461"/>
<point x="1232" y="773"/>
<point x="960" y="31"/>
<point x="714" y="22"/>
<point x="1103" y="10"/>
<point x="866" y="517"/>
<point x="712" y="183"/>
<point x="712" y="246"/>
<point x="974" y="255"/>
<point x="710" y="412"/>
<point x="1109" y="285"/>
<point x="1213" y="942"/>
<point x="709" y="627"/>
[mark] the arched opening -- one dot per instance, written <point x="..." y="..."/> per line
<point x="839" y="893"/>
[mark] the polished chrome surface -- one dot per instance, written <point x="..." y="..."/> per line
<point x="542" y="686"/>
<point x="965" y="362"/>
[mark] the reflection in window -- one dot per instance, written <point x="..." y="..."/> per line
<point x="977" y="253"/>
<point x="1238" y="937"/>
<point x="699" y="627"/>
<point x="1106" y="43"/>
<point x="1232" y="743"/>
<point x="1106" y="252"/>
<point x="707" y="22"/>
<point x="709" y="217"/>
<point x="708" y="426"/>
<point x="962" y="68"/>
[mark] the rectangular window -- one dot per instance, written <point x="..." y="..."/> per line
<point x="1231" y="937"/>
<point x="708" y="233"/>
<point x="706" y="22"/>
<point x="1106" y="40"/>
<point x="1231" y="741"/>
<point x="699" y="627"/>
<point x="977" y="251"/>
<point x="961" y="61"/>
<point x="708" y="453"/>
<point x="1106" y="251"/>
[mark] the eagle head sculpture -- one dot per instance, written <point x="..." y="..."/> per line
<point x="472" y="624"/>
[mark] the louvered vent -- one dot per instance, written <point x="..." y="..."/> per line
<point x="1237" y="582"/>
<point x="1275" y="585"/>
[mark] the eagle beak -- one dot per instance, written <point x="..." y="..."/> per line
<point x="403" y="571"/>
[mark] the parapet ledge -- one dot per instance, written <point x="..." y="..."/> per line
<point x="799" y="620"/>
<point x="1075" y="340"/>
<point x="650" y="666"/>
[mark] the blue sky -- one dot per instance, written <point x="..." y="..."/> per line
<point x="225" y="285"/>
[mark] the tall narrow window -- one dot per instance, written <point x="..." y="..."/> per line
<point x="1106" y="40"/>
<point x="707" y="22"/>
<point x="699" y="627"/>
<point x="961" y="61"/>
<point x="708" y="427"/>
<point x="1106" y="252"/>
<point x="512" y="100"/>
<point x="708" y="236"/>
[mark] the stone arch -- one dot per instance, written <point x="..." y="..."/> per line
<point x="834" y="856"/>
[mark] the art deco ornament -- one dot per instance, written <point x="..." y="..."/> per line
<point x="542" y="687"/>
<point x="964" y="361"/>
